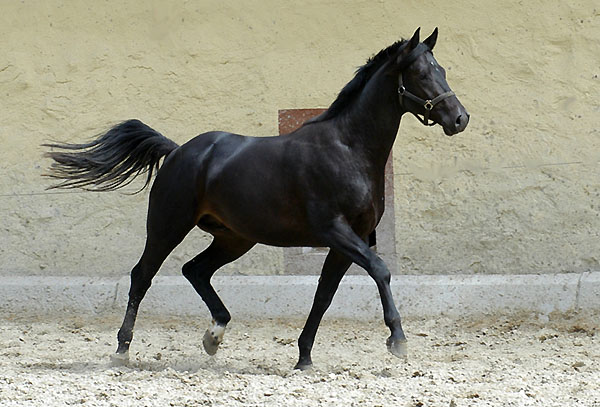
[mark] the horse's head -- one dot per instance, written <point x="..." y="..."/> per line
<point x="422" y="86"/>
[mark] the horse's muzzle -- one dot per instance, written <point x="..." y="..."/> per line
<point x="459" y="124"/>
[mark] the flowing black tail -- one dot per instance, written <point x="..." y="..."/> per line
<point x="112" y="160"/>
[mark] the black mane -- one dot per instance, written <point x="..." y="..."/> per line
<point x="355" y="86"/>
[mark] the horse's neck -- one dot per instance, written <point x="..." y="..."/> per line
<point x="371" y="123"/>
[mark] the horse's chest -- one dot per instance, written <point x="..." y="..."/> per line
<point x="364" y="197"/>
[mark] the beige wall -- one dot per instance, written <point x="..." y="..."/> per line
<point x="518" y="192"/>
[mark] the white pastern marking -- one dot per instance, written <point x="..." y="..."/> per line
<point x="217" y="331"/>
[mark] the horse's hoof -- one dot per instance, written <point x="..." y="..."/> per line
<point x="303" y="366"/>
<point x="119" y="359"/>
<point x="211" y="345"/>
<point x="397" y="347"/>
<point x="213" y="338"/>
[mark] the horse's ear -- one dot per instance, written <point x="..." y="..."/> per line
<point x="414" y="41"/>
<point x="412" y="44"/>
<point x="430" y="41"/>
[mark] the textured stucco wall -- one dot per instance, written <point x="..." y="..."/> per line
<point x="518" y="192"/>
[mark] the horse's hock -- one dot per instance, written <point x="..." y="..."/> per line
<point x="308" y="260"/>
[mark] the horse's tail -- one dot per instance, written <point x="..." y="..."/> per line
<point x="111" y="161"/>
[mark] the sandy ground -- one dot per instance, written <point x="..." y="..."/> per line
<point x="503" y="361"/>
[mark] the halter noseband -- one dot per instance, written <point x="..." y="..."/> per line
<point x="428" y="104"/>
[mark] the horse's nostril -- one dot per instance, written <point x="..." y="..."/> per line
<point x="461" y="121"/>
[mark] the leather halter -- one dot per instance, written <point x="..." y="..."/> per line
<point x="428" y="104"/>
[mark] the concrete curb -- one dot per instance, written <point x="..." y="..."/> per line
<point x="291" y="296"/>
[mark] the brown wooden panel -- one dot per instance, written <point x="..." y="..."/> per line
<point x="291" y="119"/>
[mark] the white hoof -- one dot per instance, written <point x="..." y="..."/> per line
<point x="213" y="338"/>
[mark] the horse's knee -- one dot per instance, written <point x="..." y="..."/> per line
<point x="380" y="272"/>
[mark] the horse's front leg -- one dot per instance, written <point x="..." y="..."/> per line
<point x="342" y="238"/>
<point x="334" y="269"/>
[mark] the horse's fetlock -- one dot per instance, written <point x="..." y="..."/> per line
<point x="223" y="319"/>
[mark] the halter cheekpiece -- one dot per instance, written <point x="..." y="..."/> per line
<point x="428" y="104"/>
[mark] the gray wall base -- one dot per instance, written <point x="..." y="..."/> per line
<point x="291" y="296"/>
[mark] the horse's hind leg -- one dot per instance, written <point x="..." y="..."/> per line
<point x="141" y="279"/>
<point x="199" y="270"/>
<point x="165" y="230"/>
<point x="334" y="269"/>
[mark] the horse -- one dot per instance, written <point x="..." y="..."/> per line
<point x="321" y="185"/>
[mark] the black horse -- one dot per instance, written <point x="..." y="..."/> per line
<point x="319" y="186"/>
